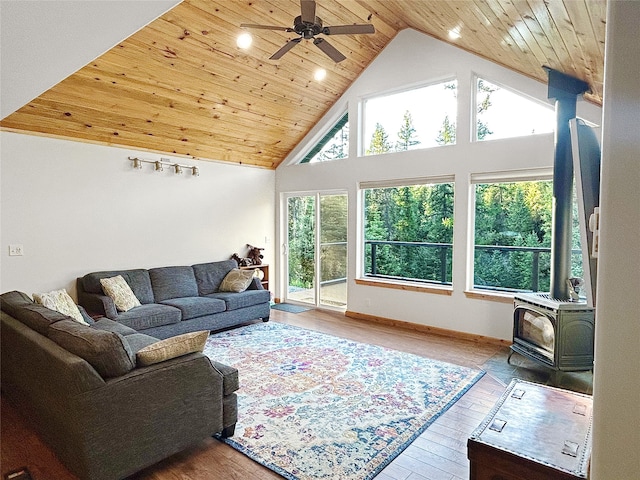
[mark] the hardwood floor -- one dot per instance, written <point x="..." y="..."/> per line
<point x="438" y="454"/>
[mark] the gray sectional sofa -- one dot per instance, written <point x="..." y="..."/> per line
<point x="177" y="299"/>
<point x="105" y="416"/>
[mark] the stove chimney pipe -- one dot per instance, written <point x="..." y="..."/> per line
<point x="564" y="90"/>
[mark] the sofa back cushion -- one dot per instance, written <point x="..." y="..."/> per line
<point x="107" y="352"/>
<point x="10" y="302"/>
<point x="37" y="317"/>
<point x="137" y="279"/>
<point x="173" y="282"/>
<point x="209" y="276"/>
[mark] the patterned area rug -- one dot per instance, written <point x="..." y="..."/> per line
<point x="314" y="406"/>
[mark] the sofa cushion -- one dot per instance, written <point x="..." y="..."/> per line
<point x="60" y="301"/>
<point x="107" y="352"/>
<point x="173" y="282"/>
<point x="85" y="316"/>
<point x="209" y="276"/>
<point x="247" y="298"/>
<point x="137" y="279"/>
<point x="172" y="347"/>
<point x="12" y="301"/>
<point x="236" y="280"/>
<point x="193" y="307"/>
<point x="138" y="341"/>
<point x="151" y="315"/>
<point x="109" y="325"/>
<point x="120" y="292"/>
<point x="38" y="317"/>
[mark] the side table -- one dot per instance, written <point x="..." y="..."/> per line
<point x="534" y="432"/>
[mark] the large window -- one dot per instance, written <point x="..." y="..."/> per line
<point x="408" y="231"/>
<point x="418" y="118"/>
<point x="512" y="250"/>
<point x="502" y="113"/>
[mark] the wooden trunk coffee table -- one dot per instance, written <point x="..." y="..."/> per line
<point x="534" y="432"/>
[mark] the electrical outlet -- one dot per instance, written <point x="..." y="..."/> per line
<point x="16" y="249"/>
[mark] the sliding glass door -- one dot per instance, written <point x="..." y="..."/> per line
<point x="316" y="250"/>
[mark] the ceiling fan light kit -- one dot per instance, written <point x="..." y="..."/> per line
<point x="307" y="26"/>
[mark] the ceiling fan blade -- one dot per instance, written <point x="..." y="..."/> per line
<point x="329" y="49"/>
<point x="266" y="27"/>
<point x="348" y="29"/>
<point x="308" y="9"/>
<point x="287" y="46"/>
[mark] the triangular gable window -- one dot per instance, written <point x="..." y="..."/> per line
<point x="334" y="145"/>
<point x="504" y="113"/>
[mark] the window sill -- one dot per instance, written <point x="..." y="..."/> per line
<point x="502" y="297"/>
<point x="408" y="286"/>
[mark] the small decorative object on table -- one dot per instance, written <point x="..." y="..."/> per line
<point x="254" y="257"/>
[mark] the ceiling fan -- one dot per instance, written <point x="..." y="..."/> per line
<point x="307" y="25"/>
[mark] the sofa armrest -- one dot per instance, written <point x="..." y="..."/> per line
<point x="148" y="414"/>
<point x="255" y="284"/>
<point x="96" y="304"/>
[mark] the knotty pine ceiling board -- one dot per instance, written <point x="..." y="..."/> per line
<point x="181" y="86"/>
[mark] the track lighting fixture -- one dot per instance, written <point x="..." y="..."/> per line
<point x="158" y="165"/>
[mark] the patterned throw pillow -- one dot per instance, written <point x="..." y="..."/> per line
<point x="236" y="280"/>
<point x="60" y="301"/>
<point x="120" y="292"/>
<point x="171" y="348"/>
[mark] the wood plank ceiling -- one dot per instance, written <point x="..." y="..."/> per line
<point x="181" y="85"/>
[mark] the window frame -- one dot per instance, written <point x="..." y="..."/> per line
<point x="474" y="109"/>
<point x="324" y="140"/>
<point x="419" y="285"/>
<point x="362" y="111"/>
<point x="504" y="176"/>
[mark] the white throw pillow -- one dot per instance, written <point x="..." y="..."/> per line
<point x="120" y="292"/>
<point x="172" y="347"/>
<point x="60" y="301"/>
<point x="236" y="280"/>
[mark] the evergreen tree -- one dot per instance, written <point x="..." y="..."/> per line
<point x="482" y="129"/>
<point x="407" y="133"/>
<point x="337" y="147"/>
<point x="447" y="134"/>
<point x="379" y="141"/>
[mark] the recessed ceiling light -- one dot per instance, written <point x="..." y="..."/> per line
<point x="320" y="74"/>
<point x="454" y="33"/>
<point x="244" y="40"/>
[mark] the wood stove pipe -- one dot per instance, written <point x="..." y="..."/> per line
<point x="564" y="90"/>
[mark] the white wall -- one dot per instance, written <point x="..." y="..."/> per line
<point x="413" y="58"/>
<point x="78" y="207"/>
<point x="616" y="381"/>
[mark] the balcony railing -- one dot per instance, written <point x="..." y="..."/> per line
<point x="444" y="253"/>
